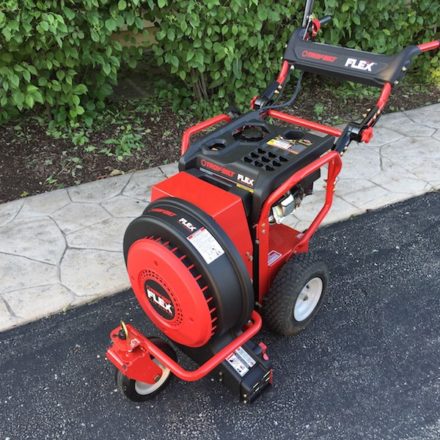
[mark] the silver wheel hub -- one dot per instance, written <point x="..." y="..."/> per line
<point x="308" y="299"/>
<point x="144" y="388"/>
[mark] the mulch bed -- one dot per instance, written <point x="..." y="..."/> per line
<point x="32" y="161"/>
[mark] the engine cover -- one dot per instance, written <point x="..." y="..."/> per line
<point x="186" y="273"/>
<point x="256" y="157"/>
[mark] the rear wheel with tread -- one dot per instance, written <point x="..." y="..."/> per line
<point x="140" y="391"/>
<point x="296" y="295"/>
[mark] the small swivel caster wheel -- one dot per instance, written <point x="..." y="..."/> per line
<point x="296" y="295"/>
<point x="141" y="391"/>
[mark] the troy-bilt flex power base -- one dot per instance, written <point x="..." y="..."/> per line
<point x="210" y="254"/>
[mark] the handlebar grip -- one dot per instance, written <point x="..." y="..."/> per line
<point x="325" y="20"/>
<point x="432" y="45"/>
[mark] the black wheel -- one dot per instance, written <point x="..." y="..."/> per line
<point x="141" y="391"/>
<point x="296" y="295"/>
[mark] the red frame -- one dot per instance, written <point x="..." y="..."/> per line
<point x="186" y="138"/>
<point x="298" y="241"/>
<point x="133" y="355"/>
<point x="311" y="125"/>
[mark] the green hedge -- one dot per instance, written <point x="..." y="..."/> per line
<point x="230" y="50"/>
<point x="59" y="53"/>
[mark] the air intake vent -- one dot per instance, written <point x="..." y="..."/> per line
<point x="264" y="159"/>
<point x="250" y="133"/>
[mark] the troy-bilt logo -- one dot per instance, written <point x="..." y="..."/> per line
<point x="353" y="63"/>
<point x="162" y="302"/>
<point x="217" y="168"/>
<point x="187" y="224"/>
<point x="246" y="180"/>
<point x="164" y="211"/>
<point x="319" y="56"/>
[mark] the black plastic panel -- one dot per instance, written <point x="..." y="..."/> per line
<point x="349" y="64"/>
<point x="254" y="157"/>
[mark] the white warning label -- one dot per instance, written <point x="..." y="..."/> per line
<point x="280" y="142"/>
<point x="237" y="364"/>
<point x="208" y="247"/>
<point x="245" y="356"/>
<point x="240" y="361"/>
<point x="272" y="257"/>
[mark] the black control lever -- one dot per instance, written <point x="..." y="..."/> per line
<point x="325" y="20"/>
<point x="318" y="23"/>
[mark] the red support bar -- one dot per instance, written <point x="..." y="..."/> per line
<point x="384" y="96"/>
<point x="334" y="162"/>
<point x="284" y="72"/>
<point x="432" y="45"/>
<point x="200" y="127"/>
<point x="304" y="123"/>
<point x="190" y="376"/>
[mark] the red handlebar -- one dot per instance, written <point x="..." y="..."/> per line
<point x="432" y="45"/>
<point x="200" y="127"/>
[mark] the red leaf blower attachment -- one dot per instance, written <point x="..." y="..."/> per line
<point x="211" y="251"/>
<point x="186" y="272"/>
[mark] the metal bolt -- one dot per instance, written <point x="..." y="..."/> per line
<point x="157" y="378"/>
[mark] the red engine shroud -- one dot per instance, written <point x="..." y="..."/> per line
<point x="224" y="207"/>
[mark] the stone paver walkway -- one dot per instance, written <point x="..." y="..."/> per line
<point x="63" y="248"/>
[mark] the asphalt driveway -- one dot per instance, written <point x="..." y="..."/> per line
<point x="368" y="367"/>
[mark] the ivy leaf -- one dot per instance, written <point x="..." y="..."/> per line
<point x="26" y="75"/>
<point x="80" y="89"/>
<point x="171" y="34"/>
<point x="94" y="35"/>
<point x="107" y="69"/>
<point x="29" y="100"/>
<point x="70" y="15"/>
<point x="7" y="33"/>
<point x="14" y="80"/>
<point x="174" y="61"/>
<point x="110" y="24"/>
<point x="122" y="4"/>
<point x="262" y="13"/>
<point x="38" y="97"/>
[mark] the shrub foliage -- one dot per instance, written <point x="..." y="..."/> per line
<point x="60" y="53"/>
<point x="233" y="48"/>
